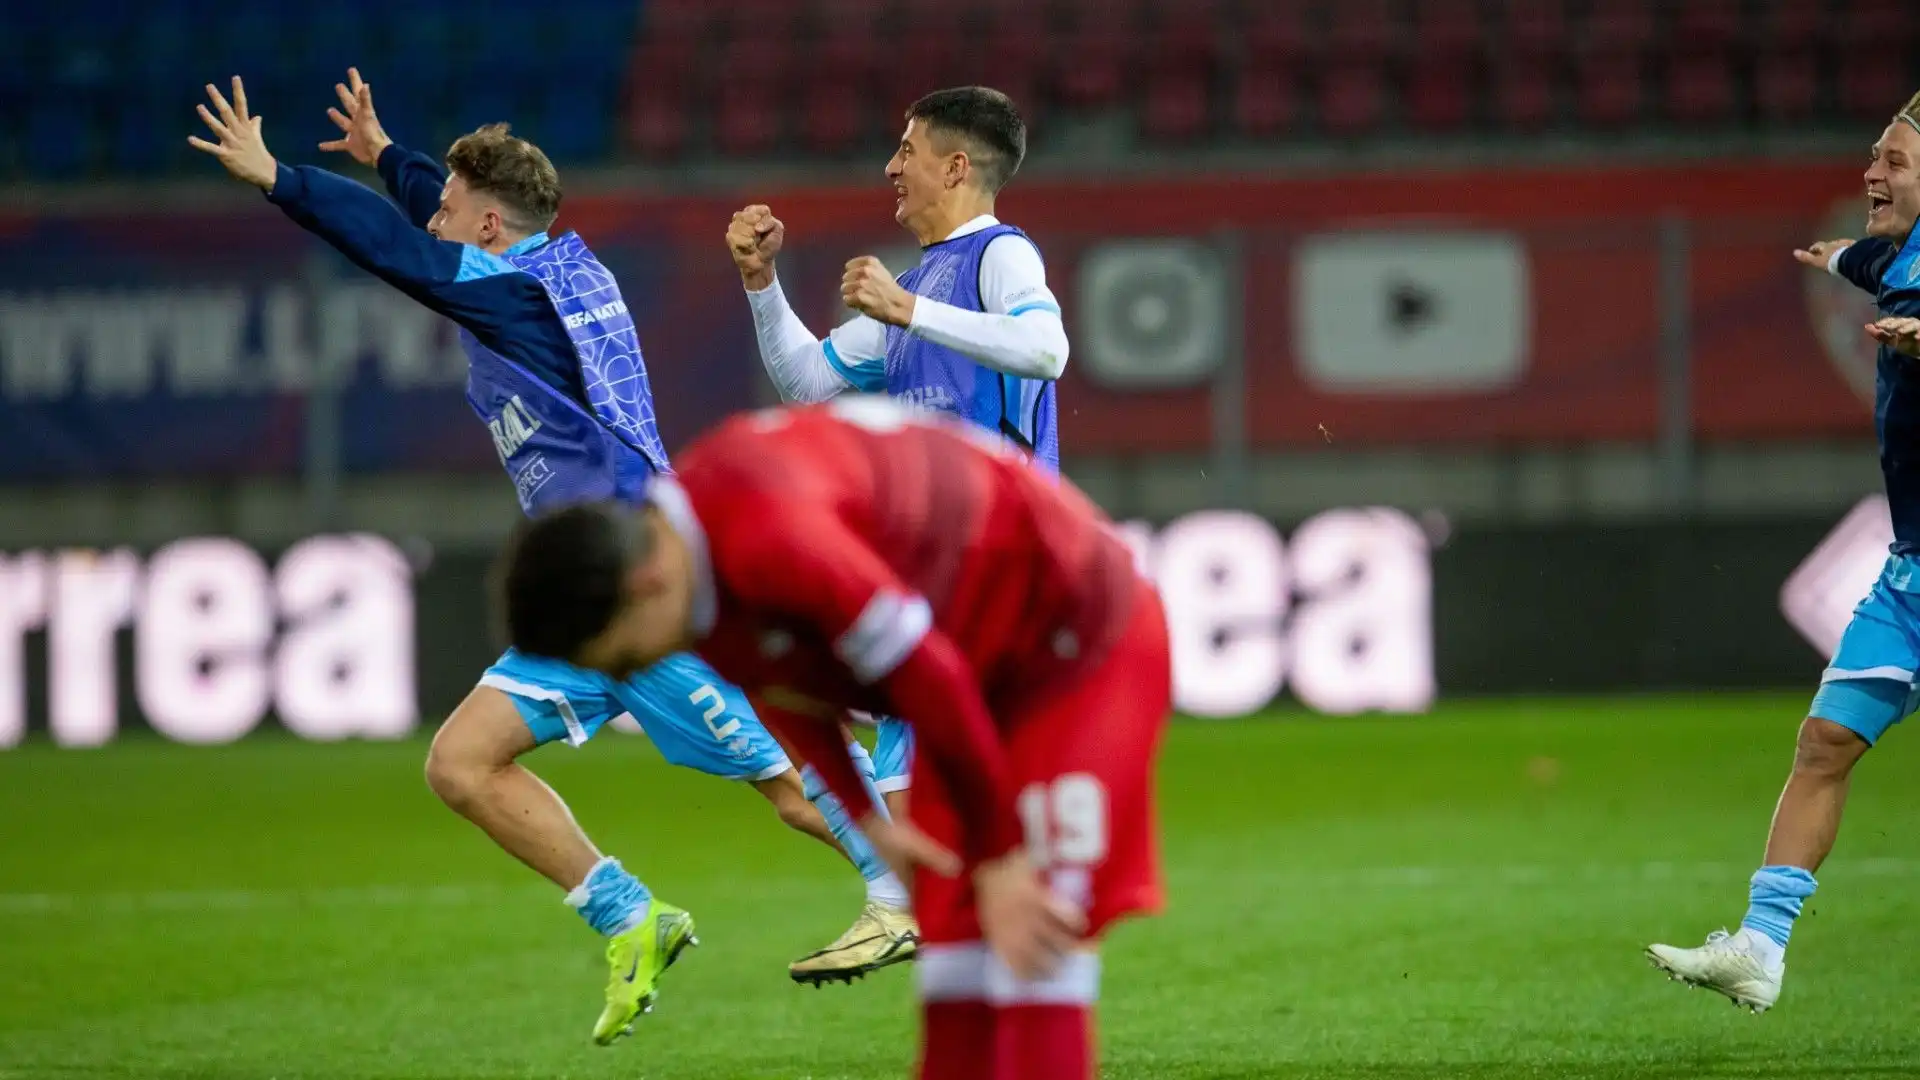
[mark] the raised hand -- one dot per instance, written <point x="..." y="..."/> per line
<point x="362" y="137"/>
<point x="241" y="148"/>
<point x="754" y="238"/>
<point x="1817" y="254"/>
<point x="870" y="290"/>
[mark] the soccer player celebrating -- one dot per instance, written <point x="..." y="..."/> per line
<point x="973" y="331"/>
<point x="556" y="373"/>
<point x="1870" y="684"/>
<point x="865" y="555"/>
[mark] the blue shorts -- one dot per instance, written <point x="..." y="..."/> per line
<point x="892" y="752"/>
<point x="1869" y="686"/>
<point x="695" y="720"/>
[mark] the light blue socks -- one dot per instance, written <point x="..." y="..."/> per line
<point x="1774" y="898"/>
<point x="611" y="900"/>
<point x="882" y="886"/>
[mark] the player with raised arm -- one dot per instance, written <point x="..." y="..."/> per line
<point x="865" y="555"/>
<point x="555" y="371"/>
<point x="973" y="330"/>
<point x="1870" y="684"/>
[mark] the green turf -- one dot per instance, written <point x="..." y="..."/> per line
<point x="1459" y="895"/>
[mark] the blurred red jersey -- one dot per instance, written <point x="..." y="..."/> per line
<point x="859" y="555"/>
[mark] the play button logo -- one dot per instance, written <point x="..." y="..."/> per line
<point x="1411" y="312"/>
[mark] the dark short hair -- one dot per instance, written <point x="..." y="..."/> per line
<point x="496" y="162"/>
<point x="986" y="120"/>
<point x="562" y="576"/>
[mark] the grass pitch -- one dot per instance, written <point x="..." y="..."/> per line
<point x="1459" y="895"/>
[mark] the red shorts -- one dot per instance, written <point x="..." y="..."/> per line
<point x="1083" y="758"/>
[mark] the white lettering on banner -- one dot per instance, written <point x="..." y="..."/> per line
<point x="207" y="658"/>
<point x="123" y="344"/>
<point x="23" y="607"/>
<point x="1347" y="615"/>
<point x="93" y="595"/>
<point x="201" y="639"/>
<point x="345" y="664"/>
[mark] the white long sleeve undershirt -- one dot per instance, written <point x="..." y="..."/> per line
<point x="1020" y="333"/>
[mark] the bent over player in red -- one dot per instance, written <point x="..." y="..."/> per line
<point x="858" y="555"/>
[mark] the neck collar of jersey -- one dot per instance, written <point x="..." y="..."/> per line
<point x="536" y="240"/>
<point x="984" y="221"/>
<point x="674" y="505"/>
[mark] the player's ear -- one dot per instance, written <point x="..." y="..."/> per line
<point x="958" y="167"/>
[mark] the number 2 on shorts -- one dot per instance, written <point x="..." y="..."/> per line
<point x="716" y="705"/>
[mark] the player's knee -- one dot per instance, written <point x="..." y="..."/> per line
<point x="1826" y="750"/>
<point x="453" y="777"/>
<point x="790" y="801"/>
<point x="477" y="741"/>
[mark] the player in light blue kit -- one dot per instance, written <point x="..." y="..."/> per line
<point x="973" y="330"/>
<point x="555" y="371"/>
<point x="1871" y="683"/>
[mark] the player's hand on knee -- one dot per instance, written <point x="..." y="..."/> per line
<point x="906" y="848"/>
<point x="361" y="134"/>
<point x="1027" y="926"/>
<point x="754" y="239"/>
<point x="1817" y="254"/>
<point x="1901" y="333"/>
<point x="870" y="290"/>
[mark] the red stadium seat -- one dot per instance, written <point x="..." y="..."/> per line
<point x="659" y="99"/>
<point x="1090" y="68"/>
<point x="1446" y="29"/>
<point x="1786" y="87"/>
<point x="1011" y="64"/>
<point x="761" y="19"/>
<point x="1440" y="91"/>
<point x="1266" y="101"/>
<point x="848" y="16"/>
<point x="1353" y="97"/>
<point x="678" y="20"/>
<point x="748" y="117"/>
<point x="1277" y="37"/>
<point x="1791" y="24"/>
<point x="920" y="65"/>
<point x="1364" y="30"/>
<point x="1533" y="28"/>
<point x="1610" y="91"/>
<point x="1175" y="107"/>
<point x="834" y="103"/>
<point x="1701" y="87"/>
<point x="1523" y="93"/>
<point x="1617" y="26"/>
<point x="1712" y="24"/>
<point x="1874" y="83"/>
<point x="1875" y="24"/>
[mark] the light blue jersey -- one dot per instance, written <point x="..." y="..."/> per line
<point x="560" y="450"/>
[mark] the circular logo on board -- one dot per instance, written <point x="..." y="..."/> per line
<point x="1839" y="309"/>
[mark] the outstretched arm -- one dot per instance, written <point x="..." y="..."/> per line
<point x="414" y="180"/>
<point x="1863" y="262"/>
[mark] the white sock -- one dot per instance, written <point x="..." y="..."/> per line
<point x="887" y="890"/>
<point x="1768" y="951"/>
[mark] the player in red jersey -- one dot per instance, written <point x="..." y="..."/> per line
<point x="859" y="555"/>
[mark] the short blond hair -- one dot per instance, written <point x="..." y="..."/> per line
<point x="496" y="162"/>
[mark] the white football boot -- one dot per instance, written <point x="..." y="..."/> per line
<point x="1737" y="965"/>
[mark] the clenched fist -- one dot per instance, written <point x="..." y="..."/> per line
<point x="754" y="239"/>
<point x="1901" y="333"/>
<point x="870" y="290"/>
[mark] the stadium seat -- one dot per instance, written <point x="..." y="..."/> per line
<point x="1790" y="25"/>
<point x="748" y="117"/>
<point x="834" y="105"/>
<point x="1701" y="89"/>
<point x="1522" y="96"/>
<point x="1617" y="26"/>
<point x="1090" y="69"/>
<point x="1447" y="29"/>
<point x="1786" y="87"/>
<point x="1011" y="63"/>
<point x="1353" y="97"/>
<point x="659" y="98"/>
<point x="1440" y="91"/>
<point x="1266" y="94"/>
<point x="1712" y="24"/>
<point x="1609" y="89"/>
<point x="1363" y="31"/>
<point x="1874" y="83"/>
<point x="685" y="22"/>
<point x="1879" y="25"/>
<point x="58" y="131"/>
<point x="1531" y="29"/>
<point x="1175" y="105"/>
<point x="920" y="64"/>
